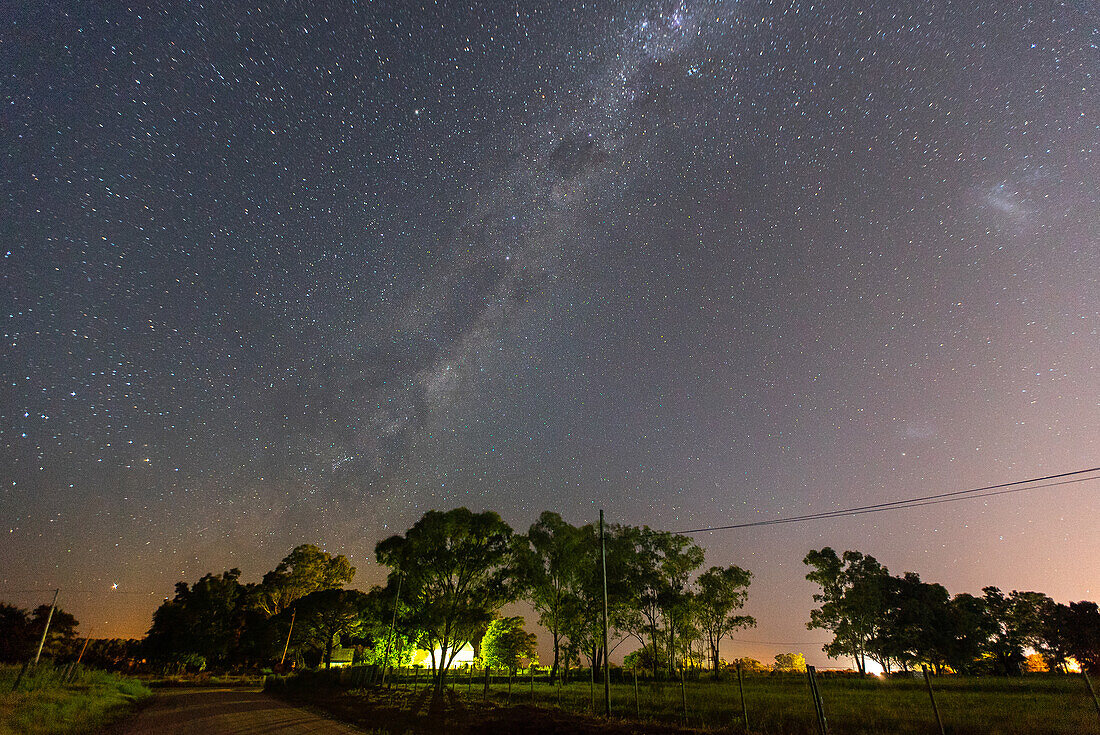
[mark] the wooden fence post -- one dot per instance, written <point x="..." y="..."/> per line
<point x="592" y="685"/>
<point x="741" y="687"/>
<point x="637" y="702"/>
<point x="683" y="695"/>
<point x="932" y="696"/>
<point x="1092" y="691"/>
<point x="819" y="707"/>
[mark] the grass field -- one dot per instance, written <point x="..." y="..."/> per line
<point x="782" y="705"/>
<point x="44" y="705"/>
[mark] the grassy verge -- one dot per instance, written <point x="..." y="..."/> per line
<point x="1038" y="705"/>
<point x="191" y="681"/>
<point x="46" y="705"/>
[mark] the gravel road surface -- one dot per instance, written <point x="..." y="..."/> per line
<point x="225" y="711"/>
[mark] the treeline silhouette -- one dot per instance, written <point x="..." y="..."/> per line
<point x="452" y="572"/>
<point x="904" y="622"/>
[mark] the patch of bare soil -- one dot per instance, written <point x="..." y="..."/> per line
<point x="402" y="712"/>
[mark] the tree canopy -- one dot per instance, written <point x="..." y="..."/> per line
<point x="506" y="644"/>
<point x="722" y="591"/>
<point x="304" y="570"/>
<point x="851" y="600"/>
<point x="456" y="571"/>
<point x="324" y="615"/>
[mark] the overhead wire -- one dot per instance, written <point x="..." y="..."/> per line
<point x="948" y="497"/>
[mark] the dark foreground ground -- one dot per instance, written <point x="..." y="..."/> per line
<point x="238" y="711"/>
<point x="777" y="705"/>
<point x="396" y="711"/>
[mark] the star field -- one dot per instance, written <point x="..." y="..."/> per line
<point x="278" y="274"/>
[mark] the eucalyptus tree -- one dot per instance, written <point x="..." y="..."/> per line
<point x="661" y="566"/>
<point x="679" y="558"/>
<point x="456" y="570"/>
<point x="305" y="569"/>
<point x="327" y="614"/>
<point x="851" y="600"/>
<point x="548" y="564"/>
<point x="722" y="591"/>
<point x="584" y="621"/>
<point x="1018" y="624"/>
<point x="915" y="625"/>
<point x="1072" y="631"/>
<point x="202" y="621"/>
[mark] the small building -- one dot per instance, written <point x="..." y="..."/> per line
<point x="340" y="657"/>
<point x="464" y="657"/>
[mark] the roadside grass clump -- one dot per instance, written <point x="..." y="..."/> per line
<point x="46" y="704"/>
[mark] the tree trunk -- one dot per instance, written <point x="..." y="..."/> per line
<point x="671" y="648"/>
<point x="653" y="629"/>
<point x="557" y="648"/>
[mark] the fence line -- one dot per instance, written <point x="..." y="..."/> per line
<point x="778" y="701"/>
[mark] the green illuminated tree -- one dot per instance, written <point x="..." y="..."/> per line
<point x="456" y="572"/>
<point x="506" y="643"/>
<point x="790" y="662"/>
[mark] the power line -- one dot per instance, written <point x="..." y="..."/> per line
<point x="74" y="591"/>
<point x="949" y="497"/>
<point x="779" y="643"/>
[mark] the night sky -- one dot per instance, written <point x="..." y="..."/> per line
<point x="290" y="273"/>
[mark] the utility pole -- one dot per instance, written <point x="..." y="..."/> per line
<point x="72" y="667"/>
<point x="290" y="632"/>
<point x="47" y="628"/>
<point x="393" y="626"/>
<point x="606" y="652"/>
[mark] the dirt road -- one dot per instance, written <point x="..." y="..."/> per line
<point x="225" y="711"/>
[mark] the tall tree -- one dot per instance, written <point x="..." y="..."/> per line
<point x="204" y="620"/>
<point x="61" y="636"/>
<point x="915" y="623"/>
<point x="15" y="635"/>
<point x="456" y="571"/>
<point x="1018" y="620"/>
<point x="548" y="563"/>
<point x="582" y="615"/>
<point x="304" y="570"/>
<point x="644" y="619"/>
<point x="971" y="627"/>
<point x="679" y="558"/>
<point x="326" y="614"/>
<point x="722" y="591"/>
<point x="21" y="631"/>
<point x="1073" y="631"/>
<point x="851" y="600"/>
